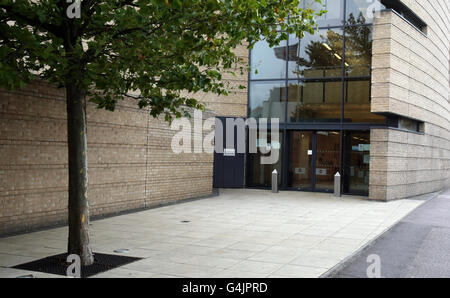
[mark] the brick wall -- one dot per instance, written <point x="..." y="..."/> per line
<point x="131" y="164"/>
<point x="235" y="104"/>
<point x="411" y="78"/>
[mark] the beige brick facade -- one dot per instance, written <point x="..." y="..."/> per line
<point x="235" y="104"/>
<point x="410" y="77"/>
<point x="131" y="164"/>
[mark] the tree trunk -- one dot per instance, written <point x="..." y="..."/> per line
<point x="78" y="175"/>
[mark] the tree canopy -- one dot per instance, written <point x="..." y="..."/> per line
<point x="162" y="48"/>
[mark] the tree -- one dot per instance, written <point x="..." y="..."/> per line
<point x="104" y="50"/>
<point x="358" y="46"/>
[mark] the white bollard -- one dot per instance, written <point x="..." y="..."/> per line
<point x="275" y="181"/>
<point x="337" y="185"/>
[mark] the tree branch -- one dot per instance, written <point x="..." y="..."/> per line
<point x="18" y="15"/>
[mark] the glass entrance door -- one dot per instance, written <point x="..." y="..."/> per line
<point x="313" y="160"/>
<point x="301" y="160"/>
<point x="327" y="159"/>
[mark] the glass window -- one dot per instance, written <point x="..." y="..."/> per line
<point x="316" y="56"/>
<point x="357" y="103"/>
<point x="362" y="11"/>
<point x="268" y="63"/>
<point x="314" y="71"/>
<point x="357" y="162"/>
<point x="333" y="16"/>
<point x="314" y="101"/>
<point x="267" y="99"/>
<point x="358" y="50"/>
<point x="260" y="175"/>
<point x="410" y="124"/>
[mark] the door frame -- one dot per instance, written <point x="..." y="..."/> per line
<point x="286" y="164"/>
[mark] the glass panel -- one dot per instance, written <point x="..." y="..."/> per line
<point x="357" y="105"/>
<point x="300" y="159"/>
<point x="316" y="56"/>
<point x="408" y="124"/>
<point x="357" y="160"/>
<point x="362" y="11"/>
<point x="327" y="159"/>
<point x="268" y="63"/>
<point x="358" y="50"/>
<point x="267" y="99"/>
<point x="314" y="101"/>
<point x="333" y="16"/>
<point x="260" y="175"/>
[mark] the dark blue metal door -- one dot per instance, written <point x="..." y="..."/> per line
<point x="228" y="166"/>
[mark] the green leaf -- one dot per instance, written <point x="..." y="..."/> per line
<point x="168" y="50"/>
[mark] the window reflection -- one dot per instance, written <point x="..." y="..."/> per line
<point x="333" y="16"/>
<point x="314" y="101"/>
<point x="260" y="175"/>
<point x="316" y="56"/>
<point x="410" y="124"/>
<point x="358" y="50"/>
<point x="267" y="99"/>
<point x="268" y="63"/>
<point x="362" y="11"/>
<point x="357" y="103"/>
<point x="315" y="69"/>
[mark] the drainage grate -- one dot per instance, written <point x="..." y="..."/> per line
<point x="57" y="264"/>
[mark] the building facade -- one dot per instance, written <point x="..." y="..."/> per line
<point x="131" y="163"/>
<point x="366" y="96"/>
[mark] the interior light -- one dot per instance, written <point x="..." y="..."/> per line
<point x="326" y="46"/>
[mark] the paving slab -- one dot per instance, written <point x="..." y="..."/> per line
<point x="240" y="233"/>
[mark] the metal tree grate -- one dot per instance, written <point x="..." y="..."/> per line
<point x="57" y="264"/>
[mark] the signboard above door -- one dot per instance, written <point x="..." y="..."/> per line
<point x="229" y="152"/>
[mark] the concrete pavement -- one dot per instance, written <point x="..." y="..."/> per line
<point x="240" y="233"/>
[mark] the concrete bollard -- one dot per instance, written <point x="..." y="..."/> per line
<point x="275" y="181"/>
<point x="337" y="185"/>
